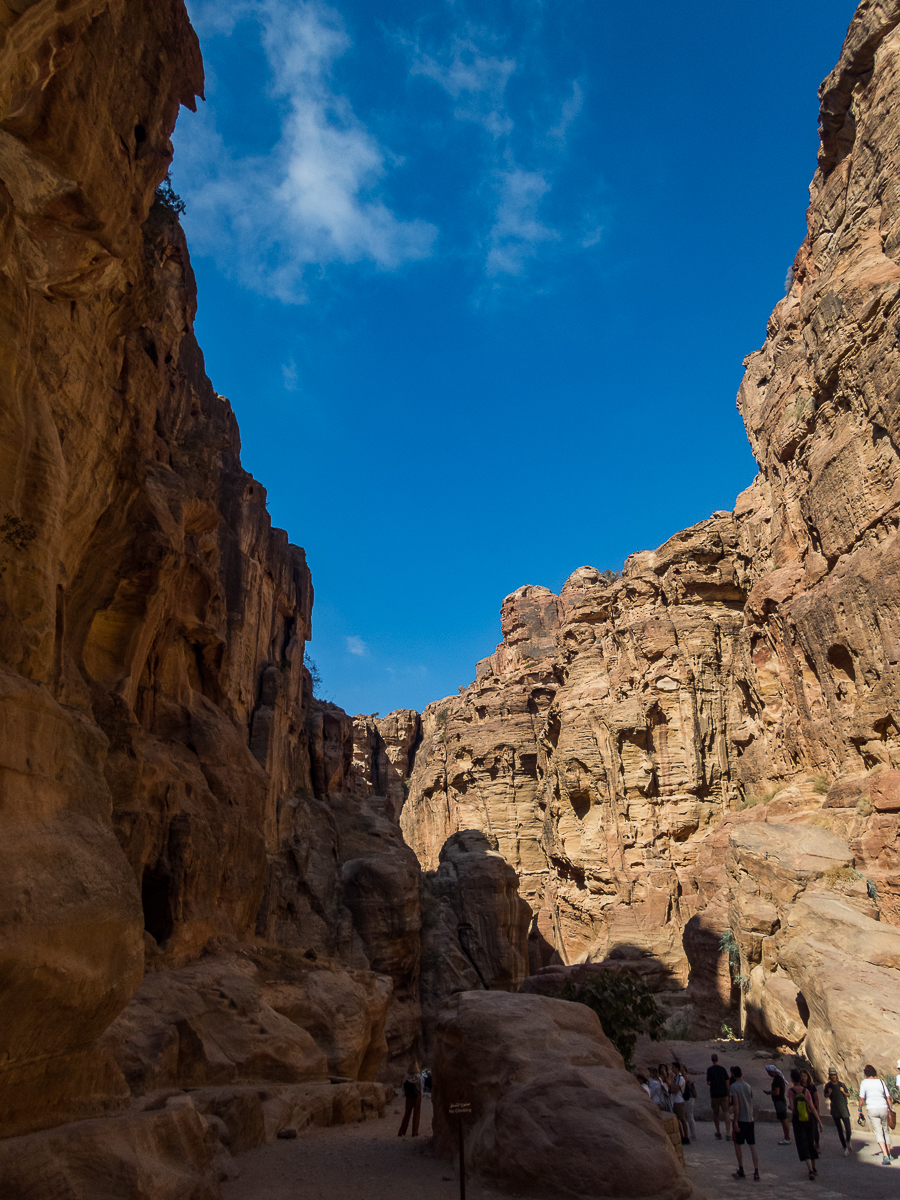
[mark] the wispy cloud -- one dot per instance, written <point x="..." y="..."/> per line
<point x="517" y="233"/>
<point x="313" y="200"/>
<point x="289" y="375"/>
<point x="525" y="147"/>
<point x="474" y="78"/>
<point x="357" y="646"/>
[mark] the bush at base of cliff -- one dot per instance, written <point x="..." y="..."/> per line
<point x="624" y="1004"/>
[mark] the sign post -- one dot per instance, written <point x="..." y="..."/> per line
<point x="459" y="1111"/>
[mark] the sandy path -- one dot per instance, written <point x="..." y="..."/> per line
<point x="368" y="1161"/>
<point x="710" y="1164"/>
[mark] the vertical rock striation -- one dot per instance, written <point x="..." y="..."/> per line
<point x="170" y="787"/>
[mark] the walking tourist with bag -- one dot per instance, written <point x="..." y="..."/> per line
<point x="835" y="1092"/>
<point x="690" y="1095"/>
<point x="677" y="1086"/>
<point x="804" y="1119"/>
<point x="807" y="1081"/>
<point x="873" y="1094"/>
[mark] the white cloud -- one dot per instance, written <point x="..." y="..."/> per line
<point x="289" y="375"/>
<point x="357" y="646"/>
<point x="517" y="233"/>
<point x="313" y="200"/>
<point x="475" y="73"/>
<point x="569" y="111"/>
<point x="475" y="79"/>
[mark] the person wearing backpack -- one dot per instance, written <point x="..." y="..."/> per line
<point x="676" y="1088"/>
<point x="412" y="1091"/>
<point x="690" y="1095"/>
<point x="874" y="1095"/>
<point x="804" y="1118"/>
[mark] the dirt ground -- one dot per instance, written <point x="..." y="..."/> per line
<point x="368" y="1161"/>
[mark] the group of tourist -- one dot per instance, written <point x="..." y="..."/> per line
<point x="796" y="1106"/>
<point x="673" y="1090"/>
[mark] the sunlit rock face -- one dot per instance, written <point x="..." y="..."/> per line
<point x="168" y="780"/>
<point x="610" y="742"/>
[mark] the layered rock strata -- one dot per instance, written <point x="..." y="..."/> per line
<point x="611" y="742"/>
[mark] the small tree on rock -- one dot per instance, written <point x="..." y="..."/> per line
<point x="624" y="1004"/>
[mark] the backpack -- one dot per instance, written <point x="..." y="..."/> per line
<point x="410" y="1091"/>
<point x="691" y="1090"/>
<point x="801" y="1108"/>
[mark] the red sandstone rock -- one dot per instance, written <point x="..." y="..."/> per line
<point x="756" y="651"/>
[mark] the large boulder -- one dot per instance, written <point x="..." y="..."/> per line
<point x="162" y="1155"/>
<point x="553" y="1110"/>
<point x="847" y="968"/>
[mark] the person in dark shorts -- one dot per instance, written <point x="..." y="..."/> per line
<point x="779" y="1101"/>
<point x="835" y="1092"/>
<point x="743" y="1129"/>
<point x="803" y="1118"/>
<point x="717" y="1081"/>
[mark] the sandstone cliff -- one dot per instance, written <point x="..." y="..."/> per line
<point x="170" y="787"/>
<point x="747" y="671"/>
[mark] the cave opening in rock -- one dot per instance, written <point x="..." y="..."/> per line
<point x="803" y="1009"/>
<point x="156" y="888"/>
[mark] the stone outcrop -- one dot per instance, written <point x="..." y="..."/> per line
<point x="384" y="753"/>
<point x="817" y="967"/>
<point x="746" y="671"/>
<point x="553" y="1112"/>
<point x="474" y="926"/>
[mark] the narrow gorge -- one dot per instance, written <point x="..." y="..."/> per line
<point x="227" y="908"/>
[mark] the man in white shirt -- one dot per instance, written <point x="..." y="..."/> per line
<point x="740" y="1096"/>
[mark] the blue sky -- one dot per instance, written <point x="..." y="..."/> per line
<point x="478" y="278"/>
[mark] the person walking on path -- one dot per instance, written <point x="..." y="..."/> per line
<point x="803" y="1117"/>
<point x="690" y="1095"/>
<point x="777" y="1092"/>
<point x="743" y="1128"/>
<point x="807" y="1081"/>
<point x="412" y="1091"/>
<point x="874" y="1095"/>
<point x="676" y="1087"/>
<point x="717" y="1082"/>
<point x="835" y="1092"/>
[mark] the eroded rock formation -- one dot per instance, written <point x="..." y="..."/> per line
<point x="171" y="790"/>
<point x="552" y="1109"/>
<point x="611" y="743"/>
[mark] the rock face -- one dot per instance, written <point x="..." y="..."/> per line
<point x="553" y="1110"/>
<point x="474" y="926"/>
<point x="612" y="741"/>
<point x="169" y="782"/>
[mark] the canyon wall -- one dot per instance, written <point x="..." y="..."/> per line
<point x="170" y="788"/>
<point x="626" y="732"/>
